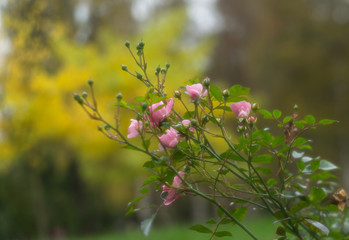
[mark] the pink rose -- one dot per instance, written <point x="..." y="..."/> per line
<point x="251" y="119"/>
<point x="159" y="115"/>
<point x="241" y="109"/>
<point x="172" y="194"/>
<point x="195" y="91"/>
<point x="170" y="139"/>
<point x="134" y="128"/>
<point x="186" y="124"/>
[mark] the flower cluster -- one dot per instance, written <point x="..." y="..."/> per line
<point x="159" y="112"/>
<point x="179" y="136"/>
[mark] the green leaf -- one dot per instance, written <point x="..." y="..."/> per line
<point x="254" y="148"/>
<point x="277" y="113"/>
<point x="211" y="221"/>
<point x="226" y="221"/>
<point x="299" y="124"/>
<point x="151" y="179"/>
<point x="322" y="176"/>
<point x="239" y="213"/>
<point x="212" y="119"/>
<point x="265" y="158"/>
<point x="286" y="119"/>
<point x="306" y="146"/>
<point x="216" y="92"/>
<point x="310" y="119"/>
<point x="266" y="113"/>
<point x="327" y="166"/>
<point x="314" y="165"/>
<point x="200" y="228"/>
<point x="134" y="201"/>
<point x="130" y="211"/>
<point x="189" y="115"/>
<point x="299" y="206"/>
<point x="236" y="91"/>
<point x="317" y="194"/>
<point x="296" y="154"/>
<point x="178" y="156"/>
<point x="301" y="165"/>
<point x="223" y="234"/>
<point x="281" y="231"/>
<point x="264" y="170"/>
<point x="307" y="159"/>
<point x="226" y="108"/>
<point x="318" y="225"/>
<point x="144" y="190"/>
<point x="140" y="99"/>
<point x="271" y="182"/>
<point x="146" y="225"/>
<point x="327" y="121"/>
<point x="278" y="141"/>
<point x="299" y="141"/>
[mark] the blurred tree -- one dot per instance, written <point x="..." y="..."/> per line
<point x="293" y="52"/>
<point x="41" y="124"/>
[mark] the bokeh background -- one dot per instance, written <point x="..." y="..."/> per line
<point x="60" y="177"/>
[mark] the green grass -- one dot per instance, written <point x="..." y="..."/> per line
<point x="261" y="227"/>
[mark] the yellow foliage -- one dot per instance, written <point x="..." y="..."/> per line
<point x="43" y="106"/>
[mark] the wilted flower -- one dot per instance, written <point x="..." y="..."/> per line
<point x="172" y="193"/>
<point x="134" y="128"/>
<point x="241" y="109"/>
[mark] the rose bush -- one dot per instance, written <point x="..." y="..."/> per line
<point x="274" y="174"/>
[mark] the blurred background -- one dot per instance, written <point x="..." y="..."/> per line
<point x="59" y="177"/>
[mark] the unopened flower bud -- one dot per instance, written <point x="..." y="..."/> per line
<point x="144" y="106"/>
<point x="168" y="65"/>
<point x="177" y="94"/>
<point x="139" y="76"/>
<point x="107" y="127"/>
<point x="251" y="121"/>
<point x="127" y="44"/>
<point x="157" y="70"/>
<point x="206" y="82"/>
<point x="140" y="45"/>
<point x="124" y="68"/>
<point x="100" y="128"/>
<point x="295" y="107"/>
<point x="90" y="82"/>
<point x="119" y="96"/>
<point x="78" y="98"/>
<point x="84" y="94"/>
<point x="255" y="106"/>
<point x="226" y="93"/>
<point x="186" y="123"/>
<point x="193" y="122"/>
<point x="163" y="70"/>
